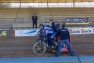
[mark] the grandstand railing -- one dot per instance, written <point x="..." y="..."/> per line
<point x="21" y="20"/>
<point x="47" y="20"/>
<point x="7" y="23"/>
<point x="12" y="20"/>
<point x="29" y="28"/>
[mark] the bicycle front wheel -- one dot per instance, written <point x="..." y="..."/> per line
<point x="39" y="48"/>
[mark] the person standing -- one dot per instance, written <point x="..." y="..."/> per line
<point x="57" y="26"/>
<point x="64" y="35"/>
<point x="52" y="24"/>
<point x="34" y="19"/>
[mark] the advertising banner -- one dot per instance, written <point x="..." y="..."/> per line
<point x="25" y="32"/>
<point x="90" y="30"/>
<point x="81" y="30"/>
<point x="34" y="32"/>
<point x="84" y="30"/>
<point x="5" y="33"/>
<point x="74" y="31"/>
<point x="77" y="21"/>
<point x="93" y="29"/>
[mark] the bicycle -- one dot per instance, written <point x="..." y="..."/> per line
<point x="41" y="46"/>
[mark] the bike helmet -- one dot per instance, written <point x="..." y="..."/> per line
<point x="41" y="25"/>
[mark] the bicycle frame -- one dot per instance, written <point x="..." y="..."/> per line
<point x="44" y="40"/>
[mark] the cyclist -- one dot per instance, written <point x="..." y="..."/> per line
<point x="49" y="33"/>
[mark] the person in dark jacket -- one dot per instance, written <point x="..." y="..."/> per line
<point x="56" y="28"/>
<point x="64" y="35"/>
<point x="34" y="19"/>
<point x="52" y="24"/>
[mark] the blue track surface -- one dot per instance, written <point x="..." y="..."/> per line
<point x="64" y="59"/>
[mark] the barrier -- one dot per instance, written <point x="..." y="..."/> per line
<point x="93" y="29"/>
<point x="81" y="30"/>
<point x="72" y="31"/>
<point x="13" y="33"/>
<point x="5" y="33"/>
<point x="25" y="32"/>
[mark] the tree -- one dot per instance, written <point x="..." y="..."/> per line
<point x="5" y="5"/>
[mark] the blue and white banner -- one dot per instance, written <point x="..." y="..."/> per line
<point x="72" y="31"/>
<point x="25" y="32"/>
